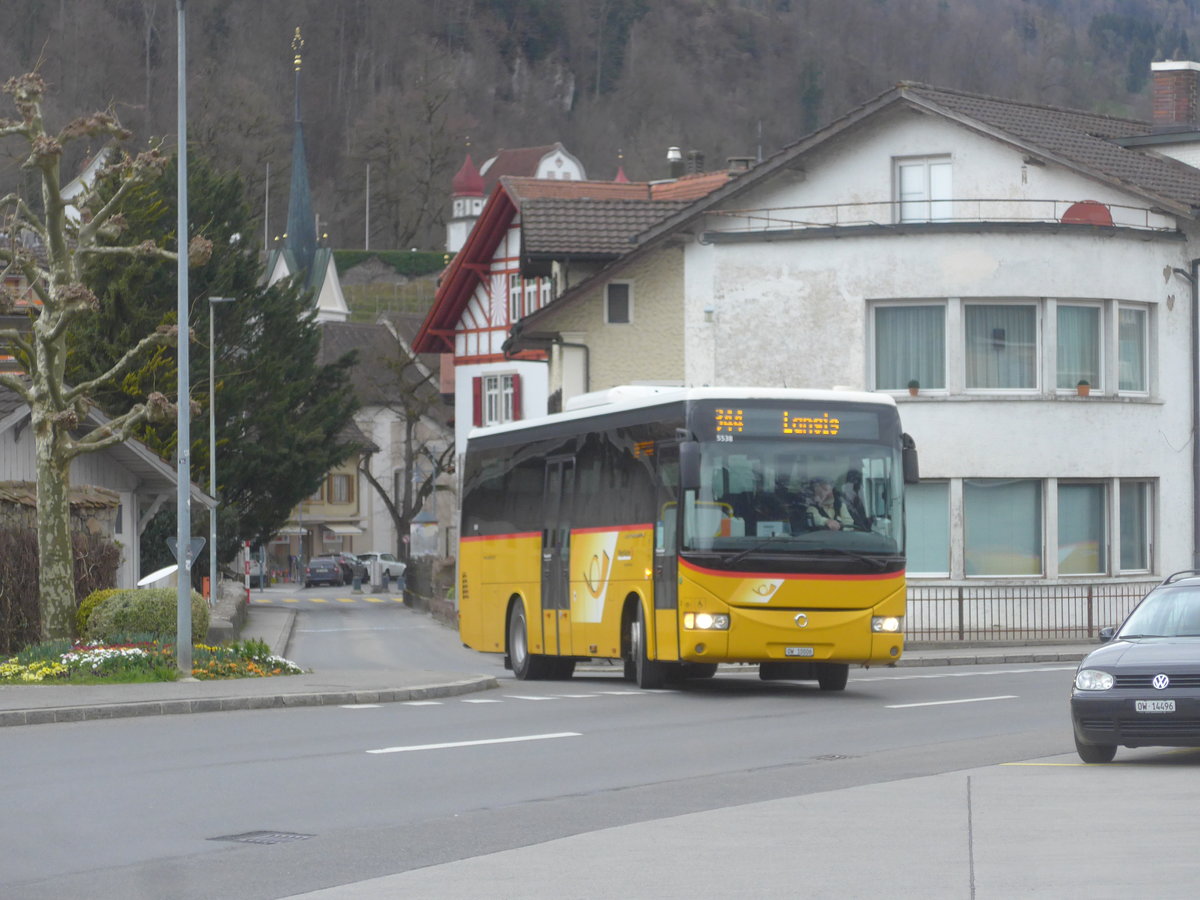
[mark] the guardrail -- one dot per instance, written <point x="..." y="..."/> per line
<point x="1067" y="612"/>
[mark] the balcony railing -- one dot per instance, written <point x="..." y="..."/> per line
<point x="963" y="211"/>
<point x="1069" y="612"/>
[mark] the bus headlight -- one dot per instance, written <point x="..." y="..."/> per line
<point x="706" y="621"/>
<point x="887" y="624"/>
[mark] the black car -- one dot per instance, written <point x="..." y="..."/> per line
<point x="323" y="570"/>
<point x="1142" y="688"/>
<point x="351" y="566"/>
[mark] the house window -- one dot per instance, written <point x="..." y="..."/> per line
<point x="496" y="399"/>
<point x="514" y="297"/>
<point x="1082" y="536"/>
<point x="923" y="189"/>
<point x="618" y="305"/>
<point x="1002" y="526"/>
<point x="1001" y="346"/>
<point x="1131" y="349"/>
<point x="318" y="495"/>
<point x="341" y="488"/>
<point x="1135" y="512"/>
<point x="927" y="525"/>
<point x="910" y="344"/>
<point x="531" y="295"/>
<point x="1079" y="357"/>
<point x="545" y="286"/>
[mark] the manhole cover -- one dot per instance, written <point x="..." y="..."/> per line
<point x="832" y="757"/>
<point x="264" y="837"/>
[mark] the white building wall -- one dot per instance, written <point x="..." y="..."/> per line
<point x="534" y="392"/>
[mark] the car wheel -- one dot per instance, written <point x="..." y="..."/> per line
<point x="1095" y="753"/>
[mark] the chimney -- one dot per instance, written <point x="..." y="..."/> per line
<point x="695" y="162"/>
<point x="736" y="164"/>
<point x="1176" y="95"/>
<point x="674" y="162"/>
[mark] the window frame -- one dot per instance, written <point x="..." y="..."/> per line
<point x="931" y="205"/>
<point x="335" y="478"/>
<point x="514" y="297"/>
<point x="1098" y="382"/>
<point x="608" y="318"/>
<point x="1145" y="311"/>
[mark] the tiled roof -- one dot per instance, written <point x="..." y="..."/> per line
<point x="588" y="227"/>
<point x="10" y="402"/>
<point x="689" y="187"/>
<point x="1087" y="139"/>
<point x="522" y="189"/>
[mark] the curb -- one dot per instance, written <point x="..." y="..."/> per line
<point x="225" y="704"/>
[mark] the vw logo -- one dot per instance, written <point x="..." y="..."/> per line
<point x="801" y="620"/>
<point x="1160" y="681"/>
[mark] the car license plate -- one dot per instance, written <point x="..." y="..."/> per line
<point x="1154" y="706"/>
<point x="797" y="651"/>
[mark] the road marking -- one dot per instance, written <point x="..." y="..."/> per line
<point x="945" y="674"/>
<point x="422" y="703"/>
<point x="360" y="706"/>
<point x="479" y="700"/>
<point x="578" y="696"/>
<point x="527" y="697"/>
<point x="631" y="693"/>
<point x="949" y="702"/>
<point x="372" y="599"/>
<point x="508" y="740"/>
<point x="316" y="599"/>
<point x="345" y="599"/>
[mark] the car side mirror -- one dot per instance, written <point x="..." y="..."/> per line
<point x="1107" y="634"/>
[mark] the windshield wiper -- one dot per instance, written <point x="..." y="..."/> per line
<point x="874" y="560"/>
<point x="738" y="557"/>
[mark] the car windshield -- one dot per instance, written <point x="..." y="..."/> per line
<point x="1166" y="612"/>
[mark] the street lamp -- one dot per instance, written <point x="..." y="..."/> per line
<point x="212" y="452"/>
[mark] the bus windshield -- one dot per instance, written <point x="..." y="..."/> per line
<point x="789" y="496"/>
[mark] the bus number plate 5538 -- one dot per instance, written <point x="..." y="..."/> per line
<point x="797" y="651"/>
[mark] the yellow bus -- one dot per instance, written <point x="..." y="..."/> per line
<point x="676" y="529"/>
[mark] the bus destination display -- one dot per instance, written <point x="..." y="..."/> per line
<point x="730" y="422"/>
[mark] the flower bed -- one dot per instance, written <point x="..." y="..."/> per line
<point x="96" y="663"/>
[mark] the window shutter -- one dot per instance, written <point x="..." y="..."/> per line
<point x="516" y="383"/>
<point x="477" y="401"/>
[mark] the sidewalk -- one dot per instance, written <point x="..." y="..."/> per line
<point x="44" y="704"/>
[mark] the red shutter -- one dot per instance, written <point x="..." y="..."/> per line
<point x="477" y="401"/>
<point x="516" y="383"/>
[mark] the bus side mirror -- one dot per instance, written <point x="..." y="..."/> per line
<point x="689" y="465"/>
<point x="908" y="459"/>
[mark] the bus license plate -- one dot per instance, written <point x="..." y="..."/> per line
<point x="1154" y="706"/>
<point x="797" y="651"/>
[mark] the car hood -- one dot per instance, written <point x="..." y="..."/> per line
<point x="1147" y="652"/>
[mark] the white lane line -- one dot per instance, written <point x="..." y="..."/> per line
<point x="422" y="703"/>
<point x="478" y="700"/>
<point x="360" y="706"/>
<point x="508" y="740"/>
<point x="944" y="674"/>
<point x="949" y="702"/>
<point x="527" y="697"/>
<point x="578" y="696"/>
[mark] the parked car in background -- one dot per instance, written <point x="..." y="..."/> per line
<point x="388" y="564"/>
<point x="323" y="570"/>
<point x="1142" y="688"/>
<point x="351" y="566"/>
<point x="257" y="580"/>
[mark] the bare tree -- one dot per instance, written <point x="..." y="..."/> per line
<point x="53" y="279"/>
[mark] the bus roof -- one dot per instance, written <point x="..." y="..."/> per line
<point x="638" y="396"/>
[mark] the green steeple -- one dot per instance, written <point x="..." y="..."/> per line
<point x="301" y="223"/>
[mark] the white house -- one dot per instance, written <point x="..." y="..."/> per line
<point x="996" y="252"/>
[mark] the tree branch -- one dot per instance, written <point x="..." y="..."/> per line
<point x="166" y="336"/>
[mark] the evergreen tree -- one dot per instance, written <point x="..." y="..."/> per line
<point x="279" y="414"/>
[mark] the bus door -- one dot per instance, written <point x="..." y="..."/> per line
<point x="556" y="555"/>
<point x="666" y="560"/>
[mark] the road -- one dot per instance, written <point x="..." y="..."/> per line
<point x="153" y="807"/>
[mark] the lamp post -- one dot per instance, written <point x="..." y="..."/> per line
<point x="212" y="450"/>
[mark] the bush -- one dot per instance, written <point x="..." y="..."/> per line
<point x="144" y="611"/>
<point x="88" y="606"/>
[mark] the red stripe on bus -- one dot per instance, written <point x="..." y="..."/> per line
<point x="792" y="576"/>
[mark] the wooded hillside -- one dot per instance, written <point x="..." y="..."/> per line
<point x="402" y="85"/>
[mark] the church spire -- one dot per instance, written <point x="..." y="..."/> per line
<point x="301" y="223"/>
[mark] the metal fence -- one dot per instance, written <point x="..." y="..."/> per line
<point x="1020" y="612"/>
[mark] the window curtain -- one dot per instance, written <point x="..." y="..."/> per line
<point x="910" y="343"/>
<point x="927" y="524"/>
<point x="1078" y="346"/>
<point x="1002" y="525"/>
<point x="1001" y="349"/>
<point x="1081" y="535"/>
<point x="1131" y="339"/>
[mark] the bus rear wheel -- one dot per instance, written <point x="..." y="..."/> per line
<point x="525" y="665"/>
<point x="833" y="676"/>
<point x="648" y="673"/>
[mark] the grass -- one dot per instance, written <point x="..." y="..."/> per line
<point x="137" y="661"/>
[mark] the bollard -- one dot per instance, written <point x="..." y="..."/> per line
<point x="356" y="583"/>
<point x="384" y="581"/>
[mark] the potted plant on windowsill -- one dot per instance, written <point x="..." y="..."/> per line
<point x="1083" y="387"/>
<point x="914" y="387"/>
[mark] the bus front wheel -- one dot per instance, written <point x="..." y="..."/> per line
<point x="833" y="676"/>
<point x="525" y="665"/>
<point x="648" y="673"/>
